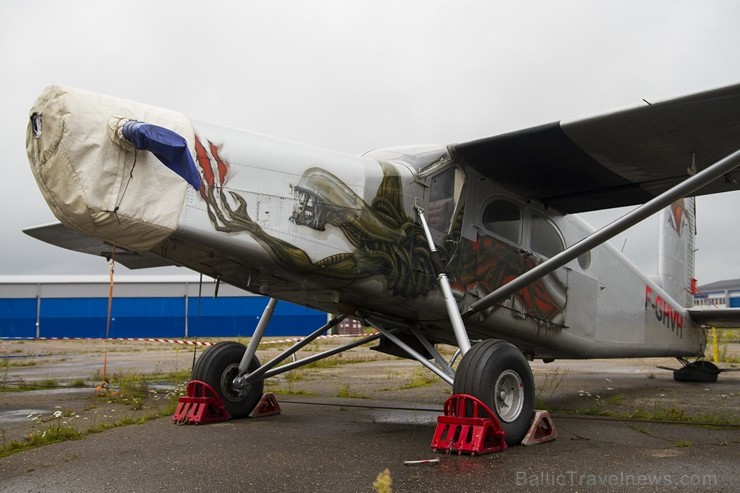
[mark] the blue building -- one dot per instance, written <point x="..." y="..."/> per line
<point x="142" y="306"/>
<point x="720" y="294"/>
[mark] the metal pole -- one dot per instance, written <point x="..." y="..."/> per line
<point x="415" y="354"/>
<point x="683" y="189"/>
<point x="259" y="331"/>
<point x="458" y="327"/>
<point x="186" y="311"/>
<point x="325" y="354"/>
<point x="247" y="378"/>
<point x="38" y="310"/>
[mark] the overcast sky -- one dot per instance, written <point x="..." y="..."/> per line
<point x="355" y="76"/>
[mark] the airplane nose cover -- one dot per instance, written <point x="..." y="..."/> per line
<point x="90" y="174"/>
<point x="168" y="146"/>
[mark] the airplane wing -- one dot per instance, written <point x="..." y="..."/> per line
<point x="617" y="159"/>
<point x="59" y="235"/>
<point x="720" y="318"/>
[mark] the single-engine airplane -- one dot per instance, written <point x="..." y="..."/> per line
<point x="475" y="244"/>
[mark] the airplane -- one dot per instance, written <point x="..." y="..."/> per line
<point x="476" y="244"/>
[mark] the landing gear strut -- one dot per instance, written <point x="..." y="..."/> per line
<point x="493" y="371"/>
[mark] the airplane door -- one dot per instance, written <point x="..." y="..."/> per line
<point x="580" y="311"/>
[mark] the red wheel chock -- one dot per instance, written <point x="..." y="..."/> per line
<point x="202" y="405"/>
<point x="267" y="406"/>
<point x="464" y="431"/>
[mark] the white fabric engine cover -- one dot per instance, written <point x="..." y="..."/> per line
<point x="82" y="171"/>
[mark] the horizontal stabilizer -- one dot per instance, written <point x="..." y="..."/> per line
<point x="720" y="318"/>
<point x="59" y="235"/>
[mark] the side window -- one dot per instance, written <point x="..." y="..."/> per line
<point x="443" y="185"/>
<point x="504" y="219"/>
<point x="444" y="191"/>
<point x="545" y="238"/>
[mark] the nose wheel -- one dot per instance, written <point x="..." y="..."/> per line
<point x="498" y="374"/>
<point x="218" y="366"/>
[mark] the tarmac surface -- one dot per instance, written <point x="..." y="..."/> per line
<point x="384" y="417"/>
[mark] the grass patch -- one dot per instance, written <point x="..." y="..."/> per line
<point x="616" y="399"/>
<point x="545" y="391"/>
<point x="59" y="432"/>
<point x="344" y="391"/>
<point x="420" y="378"/>
<point x="293" y="392"/>
<point x="23" y="386"/>
<point x="660" y="414"/>
<point x="290" y="378"/>
<point x="41" y="437"/>
<point x="67" y="425"/>
<point x="683" y="443"/>
<point x="18" y="363"/>
<point x="340" y="359"/>
<point x="294" y="376"/>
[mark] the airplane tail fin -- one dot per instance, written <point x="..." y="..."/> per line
<point x="676" y="250"/>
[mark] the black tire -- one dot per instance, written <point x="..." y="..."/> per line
<point x="491" y="363"/>
<point x="698" y="371"/>
<point x="218" y="366"/>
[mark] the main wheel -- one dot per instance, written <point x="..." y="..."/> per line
<point x="218" y="366"/>
<point x="698" y="371"/>
<point x="498" y="374"/>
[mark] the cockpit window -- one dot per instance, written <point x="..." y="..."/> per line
<point x="442" y="196"/>
<point x="545" y="238"/>
<point x="504" y="219"/>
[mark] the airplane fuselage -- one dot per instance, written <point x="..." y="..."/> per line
<point x="340" y="233"/>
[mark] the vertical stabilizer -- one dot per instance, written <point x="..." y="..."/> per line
<point x="676" y="250"/>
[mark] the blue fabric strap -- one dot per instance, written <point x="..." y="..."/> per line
<point x="169" y="147"/>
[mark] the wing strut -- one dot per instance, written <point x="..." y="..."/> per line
<point x="458" y="327"/>
<point x="686" y="187"/>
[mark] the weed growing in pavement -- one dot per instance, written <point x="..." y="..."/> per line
<point x="347" y="358"/>
<point x="658" y="413"/>
<point x="616" y="399"/>
<point x="50" y="429"/>
<point x="23" y="386"/>
<point x="64" y="425"/>
<point x="383" y="482"/>
<point x="294" y="375"/>
<point x="4" y="374"/>
<point x="420" y="378"/>
<point x="273" y="385"/>
<point x="344" y="391"/>
<point x="131" y="390"/>
<point x="392" y="374"/>
<point x="21" y="363"/>
<point x="546" y="390"/>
